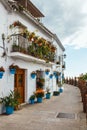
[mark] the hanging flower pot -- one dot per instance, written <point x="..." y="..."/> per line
<point x="33" y="74"/>
<point x="54" y="73"/>
<point x="63" y="76"/>
<point x="51" y="76"/>
<point x="13" y="71"/>
<point x="13" y="68"/>
<point x="1" y="75"/>
<point x="47" y="71"/>
<point x="56" y="76"/>
<point x="2" y="70"/>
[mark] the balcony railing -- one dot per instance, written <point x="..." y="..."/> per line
<point x="23" y="45"/>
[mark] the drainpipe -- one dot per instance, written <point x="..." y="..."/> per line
<point x="26" y="4"/>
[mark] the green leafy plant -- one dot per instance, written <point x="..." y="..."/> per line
<point x="15" y="47"/>
<point x="2" y="69"/>
<point x="11" y="99"/>
<point x="83" y="76"/>
<point x="12" y="66"/>
<point x="32" y="97"/>
<point x="47" y="70"/>
<point x="56" y="93"/>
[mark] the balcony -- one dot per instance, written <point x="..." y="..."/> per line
<point x="27" y="50"/>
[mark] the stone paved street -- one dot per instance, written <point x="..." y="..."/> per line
<point x="43" y="116"/>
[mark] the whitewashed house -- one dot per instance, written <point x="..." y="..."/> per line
<point x="18" y="19"/>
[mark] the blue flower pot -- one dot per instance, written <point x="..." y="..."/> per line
<point x="33" y="76"/>
<point x="12" y="71"/>
<point x="62" y="77"/>
<point x="32" y="101"/>
<point x="54" y="73"/>
<point x="46" y="72"/>
<point x="51" y="76"/>
<point x="1" y="74"/>
<point x="39" y="99"/>
<point x="9" y="110"/>
<point x="60" y="90"/>
<point x="47" y="96"/>
<point x="56" y="76"/>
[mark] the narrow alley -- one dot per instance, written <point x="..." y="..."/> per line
<point x="62" y="112"/>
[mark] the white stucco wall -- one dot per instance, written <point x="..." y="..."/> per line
<point x="7" y="82"/>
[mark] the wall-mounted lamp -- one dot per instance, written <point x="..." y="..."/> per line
<point x="64" y="55"/>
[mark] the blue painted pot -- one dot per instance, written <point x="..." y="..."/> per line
<point x="1" y="74"/>
<point x="54" y="73"/>
<point x="9" y="110"/>
<point x="33" y="76"/>
<point x="12" y="71"/>
<point x="51" y="76"/>
<point x="32" y="101"/>
<point x="46" y="72"/>
<point x="60" y="90"/>
<point x="56" y="76"/>
<point x="39" y="99"/>
<point x="62" y="77"/>
<point x="48" y="96"/>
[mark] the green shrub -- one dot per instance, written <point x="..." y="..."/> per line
<point x="56" y="93"/>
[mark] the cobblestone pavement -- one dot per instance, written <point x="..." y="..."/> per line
<point x="43" y="116"/>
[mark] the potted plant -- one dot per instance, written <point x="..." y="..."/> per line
<point x="51" y="76"/>
<point x="39" y="95"/>
<point x="32" y="98"/>
<point x="13" y="68"/>
<point x="33" y="74"/>
<point x="56" y="93"/>
<point x="2" y="70"/>
<point x="15" y="47"/>
<point x="56" y="74"/>
<point x="60" y="87"/>
<point x="48" y="93"/>
<point x="47" y="71"/>
<point x="11" y="101"/>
